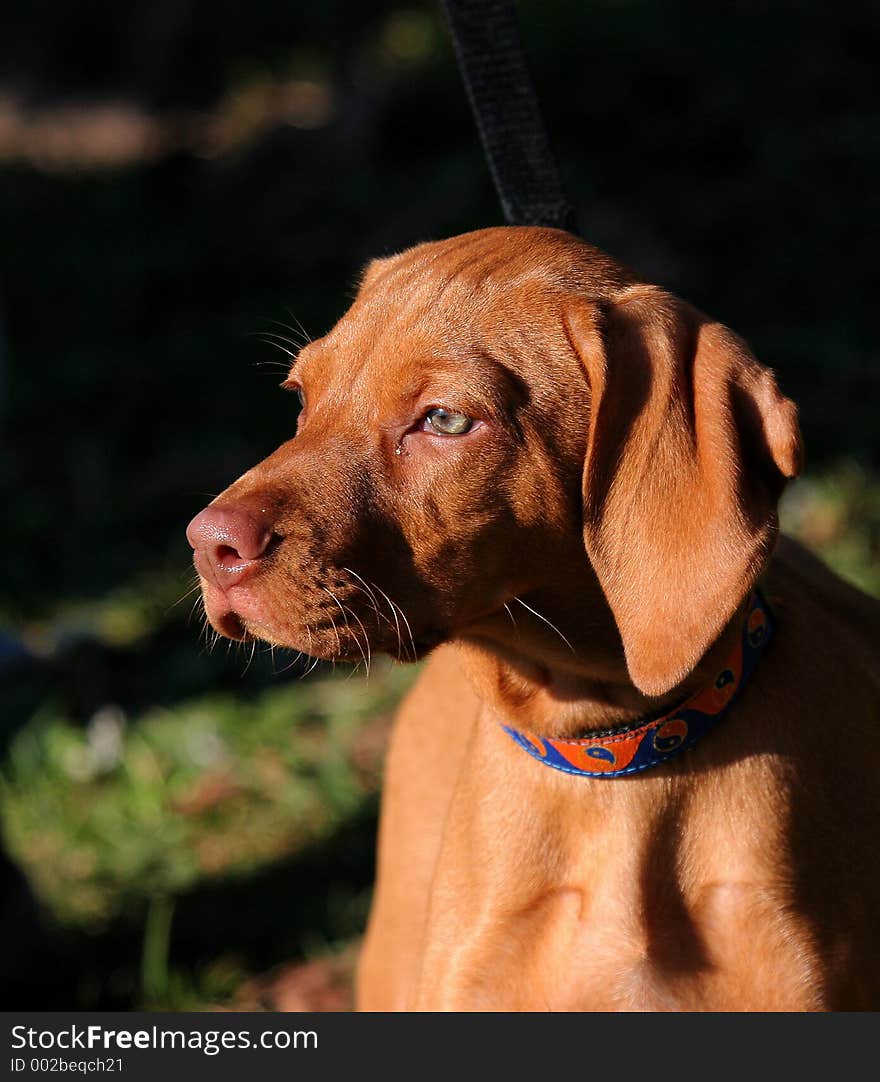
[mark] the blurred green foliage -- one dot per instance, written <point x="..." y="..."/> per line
<point x="837" y="513"/>
<point x="176" y="176"/>
<point x="117" y="819"/>
<point x="106" y="816"/>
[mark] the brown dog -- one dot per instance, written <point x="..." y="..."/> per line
<point x="563" y="482"/>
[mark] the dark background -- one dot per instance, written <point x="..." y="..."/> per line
<point x="177" y="175"/>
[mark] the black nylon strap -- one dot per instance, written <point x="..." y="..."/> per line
<point x="493" y="65"/>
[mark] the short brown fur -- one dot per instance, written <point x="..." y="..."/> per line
<point x="623" y="484"/>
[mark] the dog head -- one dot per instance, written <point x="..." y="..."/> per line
<point x="506" y="412"/>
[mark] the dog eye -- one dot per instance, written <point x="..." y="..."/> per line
<point x="448" y="423"/>
<point x="289" y="385"/>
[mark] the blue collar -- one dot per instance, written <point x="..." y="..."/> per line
<point x="637" y="746"/>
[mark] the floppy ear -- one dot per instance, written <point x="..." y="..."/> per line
<point x="689" y="448"/>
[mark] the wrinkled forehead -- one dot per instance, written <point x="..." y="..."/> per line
<point x="378" y="369"/>
<point x="383" y="341"/>
<point x="421" y="306"/>
<point x="493" y="297"/>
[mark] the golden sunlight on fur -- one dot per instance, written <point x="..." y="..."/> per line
<point x="560" y="484"/>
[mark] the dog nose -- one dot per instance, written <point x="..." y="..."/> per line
<point x="228" y="541"/>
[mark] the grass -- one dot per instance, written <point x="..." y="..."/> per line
<point x="837" y="514"/>
<point x="117" y="819"/>
<point x="110" y="815"/>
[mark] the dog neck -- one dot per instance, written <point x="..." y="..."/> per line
<point x="563" y="675"/>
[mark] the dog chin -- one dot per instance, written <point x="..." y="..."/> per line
<point x="241" y="621"/>
<point x="232" y="625"/>
<point x="233" y="620"/>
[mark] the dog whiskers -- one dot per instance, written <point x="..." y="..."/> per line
<point x="552" y="626"/>
<point x="194" y="608"/>
<point x="396" y="621"/>
<point x="403" y="616"/>
<point x="297" y="657"/>
<point x="299" y="329"/>
<point x="281" y="367"/>
<point x="281" y="338"/>
<point x="315" y="661"/>
<point x="345" y="611"/>
<point x="298" y="342"/>
<point x="183" y="597"/>
<point x="270" y="339"/>
<point x="394" y="605"/>
<point x="250" y="658"/>
<point x="369" y="654"/>
<point x="370" y="595"/>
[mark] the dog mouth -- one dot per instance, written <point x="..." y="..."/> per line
<point x="243" y="618"/>
<point x="231" y="626"/>
<point x="244" y="615"/>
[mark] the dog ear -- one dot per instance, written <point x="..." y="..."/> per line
<point x="689" y="448"/>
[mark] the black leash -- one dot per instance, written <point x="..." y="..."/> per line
<point x="493" y="65"/>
